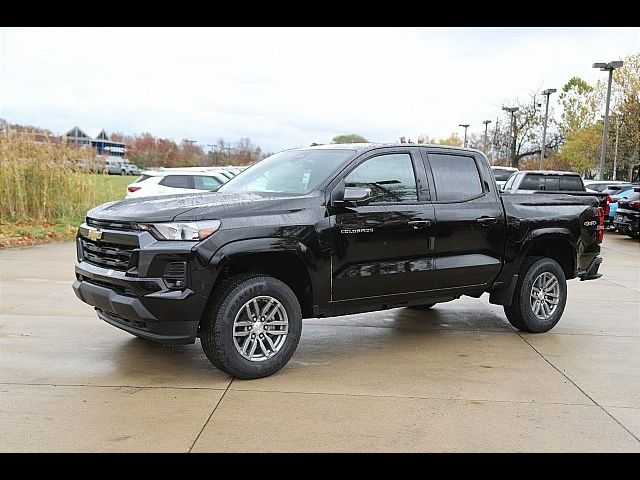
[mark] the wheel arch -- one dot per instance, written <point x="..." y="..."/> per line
<point x="285" y="259"/>
<point x="554" y="243"/>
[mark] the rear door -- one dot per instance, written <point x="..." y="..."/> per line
<point x="469" y="229"/>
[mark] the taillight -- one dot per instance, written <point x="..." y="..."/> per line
<point x="635" y="204"/>
<point x="600" y="229"/>
<point x="607" y="207"/>
<point x="133" y="188"/>
<point x="611" y="199"/>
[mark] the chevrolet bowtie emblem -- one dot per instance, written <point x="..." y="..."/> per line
<point x="95" y="234"/>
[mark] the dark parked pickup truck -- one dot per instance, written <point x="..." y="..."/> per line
<point x="327" y="231"/>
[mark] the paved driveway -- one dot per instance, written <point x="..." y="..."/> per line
<point x="457" y="378"/>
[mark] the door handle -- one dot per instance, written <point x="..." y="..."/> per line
<point x="417" y="224"/>
<point x="484" y="221"/>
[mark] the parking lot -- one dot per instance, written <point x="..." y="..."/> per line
<point x="457" y="378"/>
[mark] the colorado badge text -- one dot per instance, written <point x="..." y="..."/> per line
<point x="356" y="230"/>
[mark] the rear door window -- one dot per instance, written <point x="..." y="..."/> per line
<point x="456" y="177"/>
<point x="203" y="182"/>
<point x="176" y="181"/>
<point x="633" y="197"/>
<point x="571" y="183"/>
<point x="532" y="181"/>
<point x="552" y="183"/>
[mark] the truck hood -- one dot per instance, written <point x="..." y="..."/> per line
<point x="200" y="206"/>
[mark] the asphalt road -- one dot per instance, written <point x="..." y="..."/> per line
<point x="457" y="378"/>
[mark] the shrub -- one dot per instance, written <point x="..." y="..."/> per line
<point x="41" y="181"/>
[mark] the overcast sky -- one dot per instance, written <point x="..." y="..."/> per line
<point x="288" y="87"/>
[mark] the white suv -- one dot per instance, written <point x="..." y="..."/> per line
<point x="175" y="182"/>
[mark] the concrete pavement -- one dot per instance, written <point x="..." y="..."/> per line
<point x="457" y="378"/>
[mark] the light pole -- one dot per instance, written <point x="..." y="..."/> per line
<point x="512" y="132"/>
<point x="465" y="125"/>
<point x="606" y="67"/>
<point x="615" y="151"/>
<point x="486" y="127"/>
<point x="547" y="93"/>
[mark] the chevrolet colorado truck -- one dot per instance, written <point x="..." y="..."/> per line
<point x="326" y="231"/>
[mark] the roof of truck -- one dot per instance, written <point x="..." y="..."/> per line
<point x="549" y="172"/>
<point x="362" y="147"/>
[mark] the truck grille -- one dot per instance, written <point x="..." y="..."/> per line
<point x="107" y="224"/>
<point x="107" y="255"/>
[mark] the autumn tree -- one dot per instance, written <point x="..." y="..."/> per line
<point x="580" y="127"/>
<point x="582" y="122"/>
<point x="452" y="140"/>
<point x="242" y="152"/>
<point x="579" y="105"/>
<point x="349" y="138"/>
<point x="625" y="117"/>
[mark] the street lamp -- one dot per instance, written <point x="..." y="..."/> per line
<point x="606" y="67"/>
<point x="512" y="132"/>
<point x="547" y="93"/>
<point x="465" y="125"/>
<point x="486" y="127"/>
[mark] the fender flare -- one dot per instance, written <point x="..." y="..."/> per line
<point x="540" y="234"/>
<point x="255" y="246"/>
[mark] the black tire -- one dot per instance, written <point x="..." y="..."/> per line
<point x="424" y="306"/>
<point x="123" y="172"/>
<point x="216" y="328"/>
<point x="520" y="314"/>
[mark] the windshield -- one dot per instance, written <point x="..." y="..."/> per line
<point x="502" y="175"/>
<point x="295" y="172"/>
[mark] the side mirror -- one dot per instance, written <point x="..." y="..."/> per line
<point x="356" y="196"/>
<point x="350" y="196"/>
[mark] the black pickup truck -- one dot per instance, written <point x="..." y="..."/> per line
<point x="327" y="231"/>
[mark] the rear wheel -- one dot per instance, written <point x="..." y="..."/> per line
<point x="254" y="327"/>
<point x="540" y="296"/>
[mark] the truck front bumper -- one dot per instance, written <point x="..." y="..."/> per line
<point x="158" y="293"/>
<point x="176" y="326"/>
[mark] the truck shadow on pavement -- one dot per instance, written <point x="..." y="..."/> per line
<point x="339" y="341"/>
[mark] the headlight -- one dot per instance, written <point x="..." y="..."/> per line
<point x="182" y="230"/>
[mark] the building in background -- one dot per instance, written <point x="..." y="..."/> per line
<point x="98" y="140"/>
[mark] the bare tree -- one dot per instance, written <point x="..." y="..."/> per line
<point x="525" y="139"/>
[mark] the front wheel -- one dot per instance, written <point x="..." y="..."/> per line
<point x="254" y="327"/>
<point x="540" y="296"/>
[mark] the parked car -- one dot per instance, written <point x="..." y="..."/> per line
<point x="627" y="219"/>
<point x="115" y="166"/>
<point x="616" y="189"/>
<point x="131" y="169"/>
<point x="532" y="181"/>
<point x="600" y="185"/>
<point x="613" y="205"/>
<point x="502" y="174"/>
<point x="326" y="231"/>
<point x="175" y="182"/>
<point x="222" y="171"/>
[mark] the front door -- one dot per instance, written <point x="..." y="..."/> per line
<point x="469" y="232"/>
<point x="383" y="248"/>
